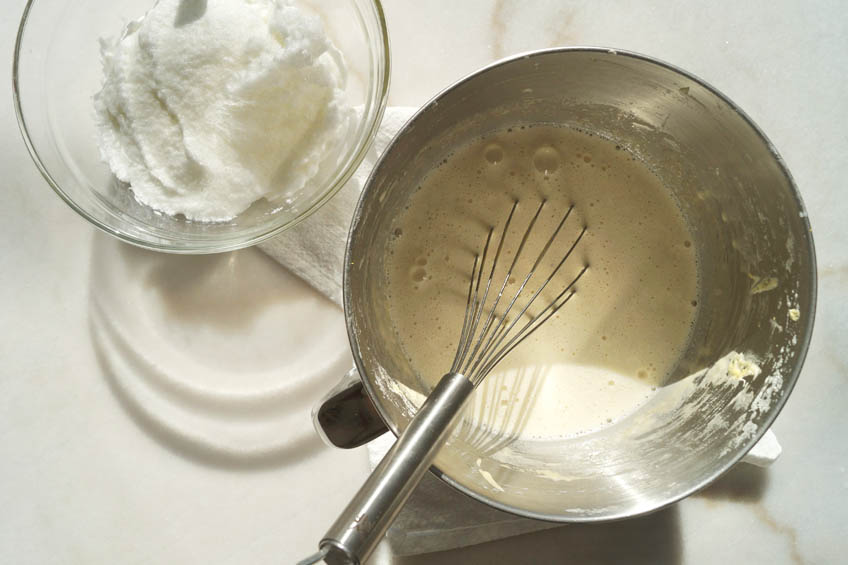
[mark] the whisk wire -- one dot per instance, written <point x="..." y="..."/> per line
<point x="467" y="318"/>
<point x="503" y="329"/>
<point x="530" y="302"/>
<point x="481" y="347"/>
<point x="474" y="307"/>
<point x="551" y="308"/>
<point x="479" y="304"/>
<point x="493" y="309"/>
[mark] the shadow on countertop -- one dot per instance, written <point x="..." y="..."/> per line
<point x="742" y="483"/>
<point x="651" y="539"/>
<point x="248" y="415"/>
<point x="655" y="538"/>
<point x="199" y="451"/>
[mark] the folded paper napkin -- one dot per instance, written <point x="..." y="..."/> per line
<point x="435" y="517"/>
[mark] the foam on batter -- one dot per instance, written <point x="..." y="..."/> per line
<point x="617" y="340"/>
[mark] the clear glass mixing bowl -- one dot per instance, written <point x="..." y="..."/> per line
<point x="57" y="71"/>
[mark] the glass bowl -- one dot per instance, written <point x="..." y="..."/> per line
<point x="57" y="71"/>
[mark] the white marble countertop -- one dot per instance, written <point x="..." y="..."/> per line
<point x="87" y="476"/>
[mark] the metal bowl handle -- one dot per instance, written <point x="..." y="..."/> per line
<point x="346" y="417"/>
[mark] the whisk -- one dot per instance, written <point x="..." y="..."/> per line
<point x="493" y="326"/>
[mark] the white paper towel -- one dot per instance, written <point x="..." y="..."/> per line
<point x="432" y="520"/>
<point x="314" y="249"/>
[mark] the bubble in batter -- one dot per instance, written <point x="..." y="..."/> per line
<point x="494" y="154"/>
<point x="546" y="159"/>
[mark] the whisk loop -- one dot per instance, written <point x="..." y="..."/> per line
<point x="482" y="346"/>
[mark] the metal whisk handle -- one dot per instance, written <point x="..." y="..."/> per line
<point x="358" y="530"/>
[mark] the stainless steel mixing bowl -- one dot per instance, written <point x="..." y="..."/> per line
<point x="757" y="275"/>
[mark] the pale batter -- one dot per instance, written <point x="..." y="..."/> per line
<point x="621" y="334"/>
